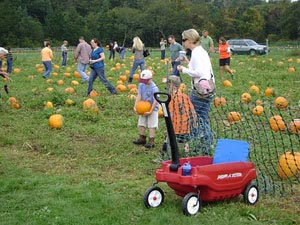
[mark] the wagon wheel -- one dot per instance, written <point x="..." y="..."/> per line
<point x="153" y="197"/>
<point x="191" y="204"/>
<point x="251" y="194"/>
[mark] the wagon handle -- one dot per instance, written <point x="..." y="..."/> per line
<point x="174" y="147"/>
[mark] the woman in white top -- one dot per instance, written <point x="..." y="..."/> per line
<point x="198" y="68"/>
<point x="64" y="53"/>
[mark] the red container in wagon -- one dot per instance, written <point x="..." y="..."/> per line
<point x="203" y="179"/>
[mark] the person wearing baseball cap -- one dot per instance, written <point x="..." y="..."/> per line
<point x="149" y="120"/>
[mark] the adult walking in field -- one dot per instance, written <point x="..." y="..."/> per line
<point x="174" y="49"/>
<point x="47" y="56"/>
<point x="224" y="58"/>
<point x="139" y="60"/>
<point x="111" y="50"/>
<point x="200" y="70"/>
<point x="207" y="42"/>
<point x="64" y="53"/>
<point x="82" y="54"/>
<point x="97" y="67"/>
<point x="162" y="44"/>
<point x="9" y="61"/>
<point x="3" y="53"/>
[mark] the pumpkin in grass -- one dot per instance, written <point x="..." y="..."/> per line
<point x="55" y="121"/>
<point x="77" y="74"/>
<point x="60" y="82"/>
<point x="121" y="88"/>
<point x="233" y="117"/>
<point x="227" y="83"/>
<point x="49" y="89"/>
<point x="246" y="97"/>
<point x="69" y="102"/>
<point x="40" y="70"/>
<point x="12" y="100"/>
<point x="74" y="83"/>
<point x="48" y="105"/>
<point x="254" y="89"/>
<point x="15" y="105"/>
<point x="133" y="91"/>
<point x="258" y="110"/>
<point x="219" y="101"/>
<point x="90" y="105"/>
<point x="269" y="92"/>
<point x="136" y="76"/>
<point x="281" y="103"/>
<point x="130" y="86"/>
<point x="276" y="123"/>
<point x="70" y="90"/>
<point x="289" y="165"/>
<point x="67" y="74"/>
<point x="142" y="106"/>
<point x="295" y="126"/>
<point x="16" y="70"/>
<point x="292" y="70"/>
<point x="123" y="78"/>
<point x="94" y="94"/>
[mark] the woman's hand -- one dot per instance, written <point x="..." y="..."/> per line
<point x="179" y="68"/>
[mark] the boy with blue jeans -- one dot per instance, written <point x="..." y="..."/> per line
<point x="149" y="120"/>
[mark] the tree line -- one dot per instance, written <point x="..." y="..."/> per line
<point x="27" y="23"/>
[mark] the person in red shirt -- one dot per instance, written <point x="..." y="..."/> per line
<point x="224" y="59"/>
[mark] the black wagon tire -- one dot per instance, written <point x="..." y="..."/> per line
<point x="191" y="204"/>
<point x="251" y="194"/>
<point x="153" y="197"/>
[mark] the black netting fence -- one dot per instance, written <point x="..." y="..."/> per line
<point x="273" y="135"/>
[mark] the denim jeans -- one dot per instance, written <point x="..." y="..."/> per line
<point x="112" y="54"/>
<point x="202" y="108"/>
<point x="175" y="70"/>
<point x="81" y="67"/>
<point x="163" y="54"/>
<point x="101" y="73"/>
<point x="64" y="58"/>
<point x="136" y="63"/>
<point x="9" y="63"/>
<point x="122" y="53"/>
<point x="48" y="68"/>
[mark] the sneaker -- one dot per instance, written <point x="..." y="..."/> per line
<point x="149" y="145"/>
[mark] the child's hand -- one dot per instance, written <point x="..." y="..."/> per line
<point x="147" y="113"/>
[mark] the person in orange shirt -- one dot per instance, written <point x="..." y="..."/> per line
<point x="47" y="57"/>
<point x="224" y="59"/>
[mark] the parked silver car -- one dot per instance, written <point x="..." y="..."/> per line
<point x="246" y="46"/>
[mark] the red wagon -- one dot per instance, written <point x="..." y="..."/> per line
<point x="203" y="179"/>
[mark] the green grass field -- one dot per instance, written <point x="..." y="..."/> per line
<point x="89" y="172"/>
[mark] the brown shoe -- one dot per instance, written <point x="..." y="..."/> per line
<point x="140" y="141"/>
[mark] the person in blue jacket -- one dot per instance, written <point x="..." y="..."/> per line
<point x="97" y="67"/>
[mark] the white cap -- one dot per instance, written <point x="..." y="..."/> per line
<point x="3" y="51"/>
<point x="145" y="76"/>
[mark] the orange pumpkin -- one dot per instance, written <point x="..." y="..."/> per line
<point x="295" y="126"/>
<point x="54" y="74"/>
<point x="292" y="70"/>
<point x="60" y="82"/>
<point x="269" y="91"/>
<point x="74" y="83"/>
<point x="123" y="78"/>
<point x="48" y="105"/>
<point x="70" y="90"/>
<point x="136" y="76"/>
<point x="258" y="110"/>
<point x="142" y="107"/>
<point x="233" y="117"/>
<point x="133" y="91"/>
<point x="276" y="123"/>
<point x="121" y="88"/>
<point x="16" y="70"/>
<point x="69" y="102"/>
<point x="246" y="97"/>
<point x="68" y="69"/>
<point x="289" y="165"/>
<point x="12" y="100"/>
<point x="254" y="89"/>
<point x="77" y="74"/>
<point x="49" y="89"/>
<point x="90" y="105"/>
<point x="127" y="72"/>
<point x="219" y="101"/>
<point x="67" y="74"/>
<point x="55" y="121"/>
<point x="40" y="70"/>
<point x="93" y="93"/>
<point x="227" y="83"/>
<point x="281" y="103"/>
<point x="130" y="86"/>
<point x="55" y="66"/>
